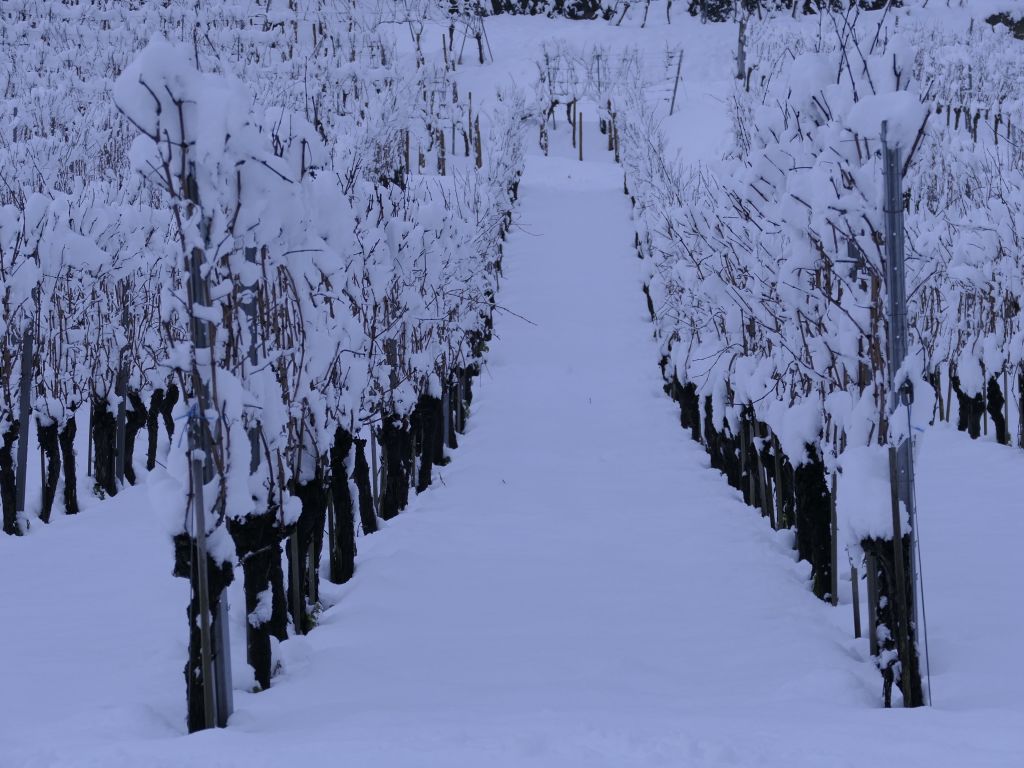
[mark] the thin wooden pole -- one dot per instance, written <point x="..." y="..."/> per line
<point x="122" y="417"/>
<point x="1006" y="407"/>
<point x="332" y="551"/>
<point x="88" y="458"/>
<point x="834" y="535"/>
<point x="872" y="566"/>
<point x="777" y="457"/>
<point x="579" y="121"/>
<point x="311" y="569"/>
<point x="373" y="474"/>
<point x="24" y="414"/>
<point x="296" y="587"/>
<point x="855" y="583"/>
<point x="675" y="88"/>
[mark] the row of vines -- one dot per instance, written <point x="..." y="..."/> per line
<point x="765" y="274"/>
<point x="244" y="232"/>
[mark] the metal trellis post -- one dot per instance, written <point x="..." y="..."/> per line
<point x="24" y="414"/>
<point x="901" y="457"/>
<point x="213" y="620"/>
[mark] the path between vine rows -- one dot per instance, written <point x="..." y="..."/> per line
<point x="578" y="588"/>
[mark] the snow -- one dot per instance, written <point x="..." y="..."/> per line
<point x="578" y="590"/>
<point x="901" y="111"/>
<point x="578" y="587"/>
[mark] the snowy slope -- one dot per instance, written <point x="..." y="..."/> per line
<point x="578" y="589"/>
<point x="581" y="590"/>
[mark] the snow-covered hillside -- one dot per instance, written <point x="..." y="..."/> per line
<point x="456" y="515"/>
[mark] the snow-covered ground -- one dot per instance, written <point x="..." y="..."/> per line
<point x="579" y="588"/>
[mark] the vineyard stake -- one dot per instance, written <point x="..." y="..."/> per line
<point x="24" y="413"/>
<point x="579" y="120"/>
<point x="1006" y="407"/>
<point x="855" y="583"/>
<point x="675" y="87"/>
<point x="871" y="563"/>
<point x="296" y="588"/>
<point x="446" y="415"/>
<point x="834" y="536"/>
<point x="122" y="416"/>
<point x="373" y="473"/>
<point x="122" y="405"/>
<point x="777" y="458"/>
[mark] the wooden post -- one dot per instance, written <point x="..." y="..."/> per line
<point x="88" y="458"/>
<point x="332" y="548"/>
<point x="478" y="145"/>
<point x="373" y="472"/>
<point x="754" y="469"/>
<point x="741" y="51"/>
<point x="777" y="457"/>
<point x="122" y="417"/>
<point x="579" y="120"/>
<point x="24" y="414"/>
<point x="293" y="549"/>
<point x="571" y="118"/>
<point x="446" y="414"/>
<point x="949" y="392"/>
<point x="834" y="535"/>
<point x="1006" y="406"/>
<point x="872" y="566"/>
<point x="461" y="406"/>
<point x="855" y="584"/>
<point x="767" y="507"/>
<point x="611" y="124"/>
<point x="311" y="569"/>
<point x="675" y="88"/>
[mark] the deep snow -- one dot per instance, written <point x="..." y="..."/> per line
<point x="580" y="589"/>
<point x="577" y="589"/>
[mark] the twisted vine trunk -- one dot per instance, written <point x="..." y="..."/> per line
<point x="8" y="480"/>
<point x="171" y="397"/>
<point x="361" y="477"/>
<point x="994" y="405"/>
<point x="219" y="576"/>
<point x="970" y="411"/>
<point x="452" y="404"/>
<point x="689" y="409"/>
<point x="104" y="441"/>
<point x="343" y="539"/>
<point x="814" y="520"/>
<point x="153" y="427"/>
<point x="428" y="423"/>
<point x="308" y="533"/>
<point x="396" y="445"/>
<point x="49" y="442"/>
<point x="66" y="438"/>
<point x="890" y="623"/>
<point x="136" y="418"/>
<point x="257" y="539"/>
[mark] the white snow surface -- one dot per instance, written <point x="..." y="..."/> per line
<point x="577" y="589"/>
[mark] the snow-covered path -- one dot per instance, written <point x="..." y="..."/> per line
<point x="582" y="590"/>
